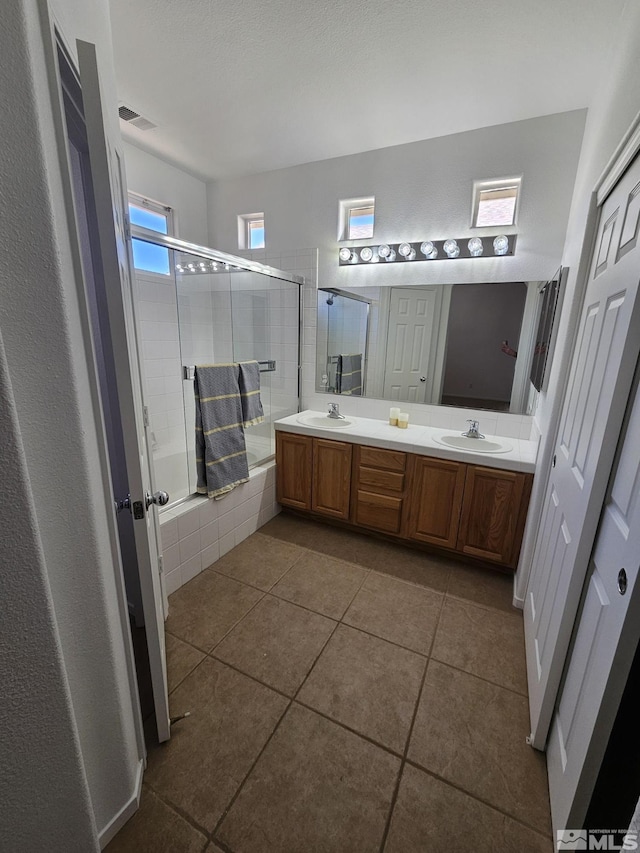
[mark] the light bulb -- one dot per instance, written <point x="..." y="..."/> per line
<point x="390" y="258"/>
<point x="179" y="267"/>
<point x="191" y="266"/>
<point x="345" y="254"/>
<point x="375" y="259"/>
<point x="427" y="248"/>
<point x="411" y="256"/>
<point x="475" y="247"/>
<point x="367" y="253"/>
<point x="501" y="245"/>
<point x="404" y="249"/>
<point x="451" y="248"/>
<point x="384" y="250"/>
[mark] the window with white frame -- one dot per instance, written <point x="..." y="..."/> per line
<point x="154" y="217"/>
<point x="356" y="218"/>
<point x="251" y="234"/>
<point x="495" y="202"/>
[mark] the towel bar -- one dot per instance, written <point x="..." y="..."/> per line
<point x="189" y="371"/>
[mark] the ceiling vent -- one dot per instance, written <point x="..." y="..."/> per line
<point x="134" y="118"/>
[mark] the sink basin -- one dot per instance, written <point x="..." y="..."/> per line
<point x="325" y="422"/>
<point x="477" y="445"/>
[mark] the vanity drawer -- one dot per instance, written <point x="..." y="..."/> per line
<point x="382" y="512"/>
<point x="389" y="460"/>
<point x="375" y="478"/>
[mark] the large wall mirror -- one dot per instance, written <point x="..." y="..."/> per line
<point x="469" y="345"/>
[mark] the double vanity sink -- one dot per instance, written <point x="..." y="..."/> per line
<point x="516" y="454"/>
<point x="421" y="485"/>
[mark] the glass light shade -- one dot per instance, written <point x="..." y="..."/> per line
<point x="451" y="248"/>
<point x="375" y="259"/>
<point x="475" y="247"/>
<point x="367" y="253"/>
<point x="501" y="245"/>
<point x="427" y="248"/>
<point x="404" y="249"/>
<point x="411" y="256"/>
<point x="345" y="254"/>
<point x="390" y="258"/>
<point x="384" y="250"/>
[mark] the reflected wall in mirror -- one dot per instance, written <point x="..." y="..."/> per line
<point x="467" y="345"/>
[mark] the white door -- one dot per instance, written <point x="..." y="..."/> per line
<point x="107" y="171"/>
<point x="600" y="378"/>
<point x="605" y="641"/>
<point x="414" y="319"/>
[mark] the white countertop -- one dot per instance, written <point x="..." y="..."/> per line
<point x="418" y="439"/>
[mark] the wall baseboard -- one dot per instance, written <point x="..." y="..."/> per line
<point x="128" y="810"/>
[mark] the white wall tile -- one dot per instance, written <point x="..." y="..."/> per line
<point x="190" y="546"/>
<point x="191" y="568"/>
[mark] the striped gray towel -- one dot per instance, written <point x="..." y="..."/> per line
<point x="349" y="374"/>
<point x="249" y="382"/>
<point x="221" y="453"/>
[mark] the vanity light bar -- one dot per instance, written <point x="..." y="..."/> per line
<point x="496" y="246"/>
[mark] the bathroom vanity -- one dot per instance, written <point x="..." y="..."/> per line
<point x="408" y="484"/>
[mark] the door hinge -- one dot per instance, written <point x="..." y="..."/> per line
<point x="145" y="415"/>
<point x="160" y="564"/>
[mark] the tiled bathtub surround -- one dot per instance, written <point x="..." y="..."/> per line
<point x="198" y="532"/>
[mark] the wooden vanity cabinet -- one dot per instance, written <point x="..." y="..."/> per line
<point x="436" y="500"/>
<point x="378" y="495"/>
<point x="331" y="485"/>
<point x="294" y="455"/>
<point x="493" y="514"/>
<point x="313" y="474"/>
<point x="463" y="508"/>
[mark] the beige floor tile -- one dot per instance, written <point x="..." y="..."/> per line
<point x="316" y="787"/>
<point x="157" y="827"/>
<point x="210" y="752"/>
<point x="397" y="611"/>
<point x="432" y="817"/>
<point x="368" y="684"/>
<point x="181" y="660"/>
<point x="259" y="560"/>
<point x="277" y="643"/>
<point x="472" y="733"/>
<point x="481" y="586"/>
<point x="408" y="564"/>
<point x="488" y="643"/>
<point x="202" y="611"/>
<point x="321" y="584"/>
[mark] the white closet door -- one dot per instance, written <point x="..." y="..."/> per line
<point x="599" y="382"/>
<point x="605" y="641"/>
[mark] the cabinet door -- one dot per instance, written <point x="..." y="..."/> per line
<point x="331" y="478"/>
<point x="436" y="500"/>
<point x="293" y="470"/>
<point x="490" y="526"/>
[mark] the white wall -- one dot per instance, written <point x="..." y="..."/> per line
<point x="614" y="107"/>
<point x="422" y="190"/>
<point x="157" y="180"/>
<point x="63" y="550"/>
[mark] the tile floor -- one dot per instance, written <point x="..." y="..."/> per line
<point x="346" y="695"/>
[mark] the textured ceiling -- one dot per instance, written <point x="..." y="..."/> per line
<point x="241" y="86"/>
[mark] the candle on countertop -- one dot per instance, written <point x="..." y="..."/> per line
<point x="403" y="420"/>
<point x="393" y="416"/>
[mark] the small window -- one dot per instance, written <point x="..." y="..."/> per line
<point x="251" y="231"/>
<point x="154" y="217"/>
<point x="356" y="219"/>
<point x="495" y="202"/>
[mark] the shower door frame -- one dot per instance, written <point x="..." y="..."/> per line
<point x="167" y="241"/>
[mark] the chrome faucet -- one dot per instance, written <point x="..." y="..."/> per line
<point x="472" y="432"/>
<point x="334" y="411"/>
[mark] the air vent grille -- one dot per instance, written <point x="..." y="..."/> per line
<point x="134" y="118"/>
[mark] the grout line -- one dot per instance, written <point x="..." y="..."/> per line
<point x="473" y="796"/>
<point x="481" y="678"/>
<point x="179" y="811"/>
<point x="394" y="797"/>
